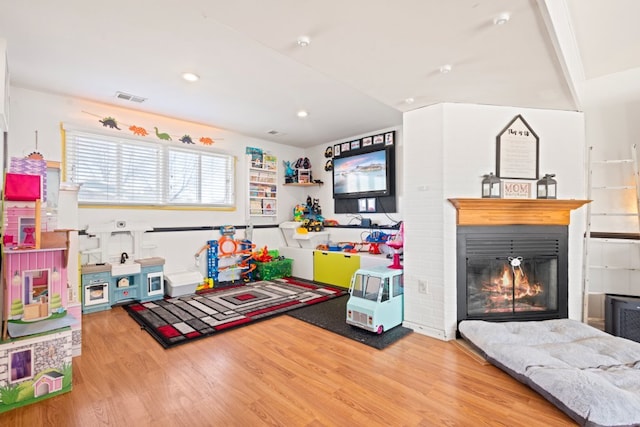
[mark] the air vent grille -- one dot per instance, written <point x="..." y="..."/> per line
<point x="129" y="97"/>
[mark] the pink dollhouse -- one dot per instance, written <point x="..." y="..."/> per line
<point x="35" y="281"/>
<point x="37" y="341"/>
<point x="34" y="266"/>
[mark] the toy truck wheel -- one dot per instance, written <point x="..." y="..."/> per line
<point x="380" y="330"/>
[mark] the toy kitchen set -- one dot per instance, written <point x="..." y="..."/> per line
<point x="109" y="280"/>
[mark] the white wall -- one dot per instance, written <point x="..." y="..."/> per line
<point x="33" y="111"/>
<point x="325" y="192"/>
<point x="442" y="152"/>
<point x="424" y="226"/>
<point x="612" y="107"/>
<point x="45" y="113"/>
<point x="448" y="148"/>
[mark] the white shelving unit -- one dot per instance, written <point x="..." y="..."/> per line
<point x="263" y="187"/>
<point x="612" y="243"/>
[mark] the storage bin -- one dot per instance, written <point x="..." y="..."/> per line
<point x="274" y="269"/>
<point x="183" y="283"/>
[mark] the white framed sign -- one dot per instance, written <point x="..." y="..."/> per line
<point x="517" y="154"/>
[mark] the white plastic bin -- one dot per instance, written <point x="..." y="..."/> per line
<point x="183" y="283"/>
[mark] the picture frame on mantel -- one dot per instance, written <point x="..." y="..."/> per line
<point x="517" y="151"/>
<point x="518" y="189"/>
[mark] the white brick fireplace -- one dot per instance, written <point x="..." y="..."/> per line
<point x="447" y="148"/>
<point x="501" y="244"/>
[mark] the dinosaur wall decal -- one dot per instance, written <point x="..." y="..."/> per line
<point x="186" y="139"/>
<point x="112" y="123"/>
<point x="109" y="122"/>
<point x="164" y="136"/>
<point x="137" y="130"/>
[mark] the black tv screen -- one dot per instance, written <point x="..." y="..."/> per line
<point x="360" y="174"/>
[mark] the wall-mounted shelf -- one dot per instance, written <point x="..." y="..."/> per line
<point x="263" y="187"/>
<point x="515" y="211"/>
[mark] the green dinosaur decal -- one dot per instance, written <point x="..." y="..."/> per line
<point x="164" y="136"/>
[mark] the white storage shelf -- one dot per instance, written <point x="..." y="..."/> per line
<point x="311" y="239"/>
<point x="301" y="247"/>
<point x="263" y="190"/>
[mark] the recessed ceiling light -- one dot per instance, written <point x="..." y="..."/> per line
<point x="501" y="19"/>
<point x="302" y="114"/>
<point x="190" y="77"/>
<point x="304" y="41"/>
<point x="445" y="68"/>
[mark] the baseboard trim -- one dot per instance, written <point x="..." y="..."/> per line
<point x="428" y="331"/>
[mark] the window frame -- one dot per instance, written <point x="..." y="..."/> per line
<point x="74" y="138"/>
<point x="24" y="359"/>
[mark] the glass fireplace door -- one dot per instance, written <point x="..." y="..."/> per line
<point x="511" y="284"/>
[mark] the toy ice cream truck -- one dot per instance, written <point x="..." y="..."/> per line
<point x="376" y="301"/>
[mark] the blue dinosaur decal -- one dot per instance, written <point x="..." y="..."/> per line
<point x="109" y="122"/>
<point x="186" y="140"/>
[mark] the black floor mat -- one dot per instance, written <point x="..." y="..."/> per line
<point x="331" y="315"/>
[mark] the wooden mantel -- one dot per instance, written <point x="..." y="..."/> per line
<point x="515" y="211"/>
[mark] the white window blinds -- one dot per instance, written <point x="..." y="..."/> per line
<point x="124" y="171"/>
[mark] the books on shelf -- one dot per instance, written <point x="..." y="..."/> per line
<point x="263" y="182"/>
<point x="256" y="156"/>
<point x="261" y="159"/>
<point x="268" y="207"/>
<point x="262" y="190"/>
<point x="255" y="207"/>
<point x="263" y="207"/>
<point x="269" y="161"/>
<point x="256" y="176"/>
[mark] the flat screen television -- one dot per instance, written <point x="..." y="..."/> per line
<point x="363" y="174"/>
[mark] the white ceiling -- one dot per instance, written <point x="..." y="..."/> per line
<point x="365" y="58"/>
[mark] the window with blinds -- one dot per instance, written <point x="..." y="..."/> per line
<point x="122" y="171"/>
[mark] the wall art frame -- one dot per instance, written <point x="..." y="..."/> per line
<point x="517" y="151"/>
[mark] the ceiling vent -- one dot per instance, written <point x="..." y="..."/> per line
<point x="129" y="97"/>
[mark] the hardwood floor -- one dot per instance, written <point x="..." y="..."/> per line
<point x="280" y="372"/>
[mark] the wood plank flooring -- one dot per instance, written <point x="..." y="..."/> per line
<point x="280" y="372"/>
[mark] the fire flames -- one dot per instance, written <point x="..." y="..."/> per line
<point x="511" y="290"/>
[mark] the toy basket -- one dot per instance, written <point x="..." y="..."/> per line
<point x="274" y="269"/>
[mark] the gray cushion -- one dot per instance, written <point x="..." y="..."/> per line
<point x="592" y="376"/>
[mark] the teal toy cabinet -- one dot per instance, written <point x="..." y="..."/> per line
<point x="95" y="283"/>
<point x="125" y="283"/>
<point x="152" y="279"/>
<point x="105" y="285"/>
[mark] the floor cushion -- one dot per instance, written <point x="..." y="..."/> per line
<point x="592" y="376"/>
